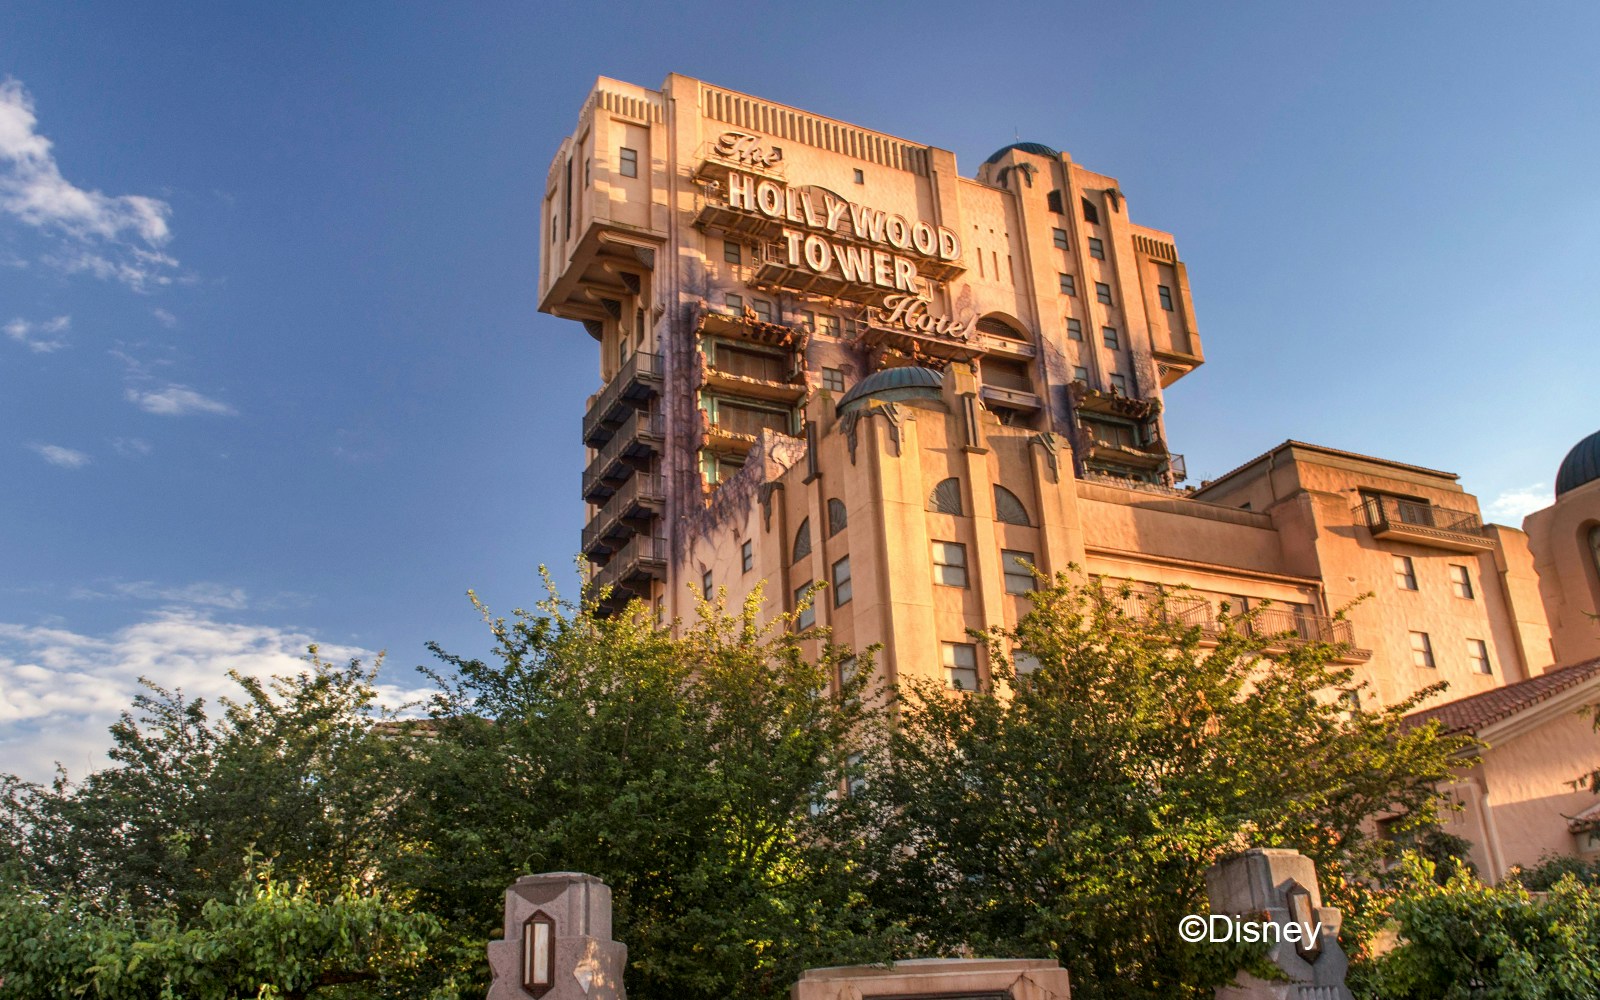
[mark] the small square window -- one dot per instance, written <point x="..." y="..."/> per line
<point x="961" y="665"/>
<point x="833" y="380"/>
<point x="1405" y="574"/>
<point x="1478" y="653"/>
<point x="1119" y="384"/>
<point x="732" y="253"/>
<point x="1068" y="285"/>
<point x="1165" y="295"/>
<point x="628" y="164"/>
<point x="1097" y="250"/>
<point x="1052" y="201"/>
<point x="841" y="582"/>
<point x="762" y="309"/>
<point x="808" y="613"/>
<point x="705" y="584"/>
<point x="1074" y="330"/>
<point x="747" y="557"/>
<point x="1109" y="335"/>
<point x="950" y="564"/>
<point x="1080" y="374"/>
<point x="1091" y="214"/>
<point x="1421" y="650"/>
<point x="1060" y="238"/>
<point x="1025" y="663"/>
<point x="735" y="303"/>
<point x="1102" y="293"/>
<point x="1018" y="570"/>
<point x="861" y="176"/>
<point x="1461" y="582"/>
<point x="809" y="318"/>
<point x="828" y="326"/>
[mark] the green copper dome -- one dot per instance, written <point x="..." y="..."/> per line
<point x="1582" y="465"/>
<point x="892" y="384"/>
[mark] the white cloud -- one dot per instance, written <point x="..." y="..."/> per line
<point x="177" y="401"/>
<point x="40" y="338"/>
<point x="113" y="237"/>
<point x="215" y="595"/>
<point x="66" y="458"/>
<point x="164" y="317"/>
<point x="1514" y="505"/>
<point x="131" y="447"/>
<point x="60" y="690"/>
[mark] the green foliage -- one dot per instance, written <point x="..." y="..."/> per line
<point x="683" y="771"/>
<point x="273" y="939"/>
<point x="1553" y="868"/>
<point x="1466" y="940"/>
<point x="1073" y="812"/>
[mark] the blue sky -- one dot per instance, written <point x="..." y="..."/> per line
<point x="271" y="370"/>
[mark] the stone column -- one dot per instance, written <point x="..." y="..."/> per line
<point x="570" y="914"/>
<point x="1268" y="886"/>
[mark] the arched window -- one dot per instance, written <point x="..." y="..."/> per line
<point x="837" y="518"/>
<point x="1008" y="508"/>
<point x="802" y="540"/>
<point x="946" y="497"/>
<point x="996" y="327"/>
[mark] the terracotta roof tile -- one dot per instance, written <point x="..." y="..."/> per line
<point x="1474" y="713"/>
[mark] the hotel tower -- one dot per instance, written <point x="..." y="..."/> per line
<point x="833" y="367"/>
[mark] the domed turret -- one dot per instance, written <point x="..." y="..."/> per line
<point x="1036" y="148"/>
<point x="893" y="384"/>
<point x="1582" y="465"/>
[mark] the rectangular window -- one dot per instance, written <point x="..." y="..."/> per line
<point x="1102" y="293"/>
<point x="808" y="615"/>
<point x="961" y="665"/>
<point x="763" y="309"/>
<point x="1060" y="237"/>
<point x="1052" y="201"/>
<point x="861" y="176"/>
<point x="1068" y="285"/>
<point x="1074" y="330"/>
<point x="1080" y="374"/>
<point x="847" y="671"/>
<point x="1109" y="335"/>
<point x="586" y="172"/>
<point x="1461" y="582"/>
<point x="833" y="380"/>
<point x="809" y="318"/>
<point x="841" y="582"/>
<point x="629" y="162"/>
<point x="950" y="564"/>
<point x="1405" y="574"/>
<point x="732" y="252"/>
<point x="705" y="584"/>
<point x="828" y="326"/>
<point x="735" y="303"/>
<point x="1119" y="384"/>
<point x="1097" y="250"/>
<point x="1025" y="663"/>
<point x="1166" y="297"/>
<point x="747" y="557"/>
<point x="1019" y="575"/>
<point x="1421" y="650"/>
<point x="1478" y="653"/>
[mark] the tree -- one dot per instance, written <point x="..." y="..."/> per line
<point x="687" y="771"/>
<point x="1073" y="811"/>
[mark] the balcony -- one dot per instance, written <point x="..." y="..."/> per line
<point x="634" y="441"/>
<point x="641" y="558"/>
<point x="638" y="380"/>
<point x="1013" y="399"/>
<point x="1422" y="523"/>
<point x="1283" y="626"/>
<point x="631" y="510"/>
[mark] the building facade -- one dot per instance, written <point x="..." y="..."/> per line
<point x="833" y="368"/>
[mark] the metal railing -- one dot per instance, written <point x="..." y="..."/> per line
<point x="1289" y="624"/>
<point x="646" y="426"/>
<point x="642" y="367"/>
<point x="1385" y="513"/>
<point x="641" y="552"/>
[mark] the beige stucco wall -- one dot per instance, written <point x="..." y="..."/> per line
<point x="1569" y="581"/>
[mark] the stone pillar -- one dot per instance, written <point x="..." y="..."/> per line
<point x="570" y="914"/>
<point x="1268" y="886"/>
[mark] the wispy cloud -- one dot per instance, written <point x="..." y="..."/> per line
<point x="113" y="237"/>
<point x="55" y="454"/>
<point x="203" y="594"/>
<point x="177" y="401"/>
<point x="60" y="689"/>
<point x="40" y="338"/>
<point x="130" y="447"/>
<point x="1516" y="504"/>
<point x="164" y="317"/>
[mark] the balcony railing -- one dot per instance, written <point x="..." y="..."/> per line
<point x="1287" y="624"/>
<point x="638" y="436"/>
<point x="641" y="557"/>
<point x="637" y="379"/>
<point x="629" y="511"/>
<point x="1421" y="522"/>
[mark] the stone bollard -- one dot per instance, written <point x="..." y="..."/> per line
<point x="558" y="941"/>
<point x="1264" y="885"/>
